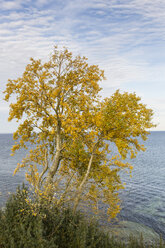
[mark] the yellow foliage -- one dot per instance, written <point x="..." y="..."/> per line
<point x="71" y="130"/>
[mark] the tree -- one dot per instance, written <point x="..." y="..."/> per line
<point x="72" y="130"/>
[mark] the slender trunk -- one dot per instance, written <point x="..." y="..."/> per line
<point x="52" y="171"/>
<point x="80" y="189"/>
<point x="43" y="171"/>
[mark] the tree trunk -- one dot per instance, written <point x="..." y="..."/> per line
<point x="80" y="189"/>
<point x="52" y="171"/>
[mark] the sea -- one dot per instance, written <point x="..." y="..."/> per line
<point x="142" y="200"/>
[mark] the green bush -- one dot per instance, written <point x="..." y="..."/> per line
<point x="51" y="227"/>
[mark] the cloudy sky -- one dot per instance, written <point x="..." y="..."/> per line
<point x="126" y="38"/>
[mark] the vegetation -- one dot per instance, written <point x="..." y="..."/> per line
<point x="71" y="130"/>
<point x="51" y="227"/>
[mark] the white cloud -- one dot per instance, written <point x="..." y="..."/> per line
<point x="8" y="5"/>
<point x="126" y="38"/>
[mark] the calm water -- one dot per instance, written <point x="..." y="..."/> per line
<point x="143" y="200"/>
<point x="144" y="196"/>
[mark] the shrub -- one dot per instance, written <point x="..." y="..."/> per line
<point x="49" y="227"/>
<point x="52" y="227"/>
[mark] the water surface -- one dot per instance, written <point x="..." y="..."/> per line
<point x="143" y="200"/>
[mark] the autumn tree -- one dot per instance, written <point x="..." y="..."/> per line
<point x="71" y="131"/>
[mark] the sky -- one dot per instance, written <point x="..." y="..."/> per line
<point x="126" y="38"/>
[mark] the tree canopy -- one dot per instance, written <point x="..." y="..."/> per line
<point x="72" y="130"/>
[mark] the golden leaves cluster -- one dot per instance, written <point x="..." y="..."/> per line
<point x="72" y="133"/>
